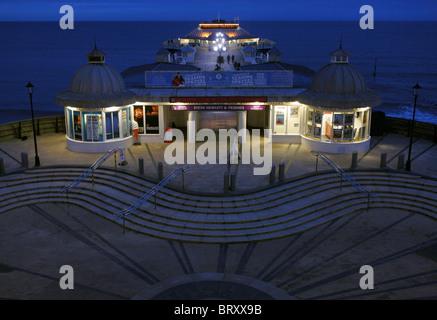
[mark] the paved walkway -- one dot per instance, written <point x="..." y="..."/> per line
<point x="297" y="160"/>
<point x="206" y="60"/>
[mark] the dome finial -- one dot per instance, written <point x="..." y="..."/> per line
<point x="96" y="56"/>
<point x="339" y="55"/>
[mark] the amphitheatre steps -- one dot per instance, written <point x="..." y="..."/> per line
<point x="278" y="211"/>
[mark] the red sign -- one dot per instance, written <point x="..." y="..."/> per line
<point x="217" y="99"/>
<point x="138" y="113"/>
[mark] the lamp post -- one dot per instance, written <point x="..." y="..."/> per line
<point x="29" y="87"/>
<point x="416" y="90"/>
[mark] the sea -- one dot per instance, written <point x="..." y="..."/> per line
<point x="401" y="53"/>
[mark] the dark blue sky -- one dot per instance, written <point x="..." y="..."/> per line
<point x="92" y="10"/>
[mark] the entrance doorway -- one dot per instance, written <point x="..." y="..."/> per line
<point x="216" y="120"/>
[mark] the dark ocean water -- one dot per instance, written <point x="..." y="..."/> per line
<point x="47" y="56"/>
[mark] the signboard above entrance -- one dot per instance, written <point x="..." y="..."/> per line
<point x="216" y="108"/>
<point x="219" y="79"/>
<point x="217" y="99"/>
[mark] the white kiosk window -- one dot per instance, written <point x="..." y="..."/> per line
<point x="286" y="119"/>
<point x="334" y="126"/>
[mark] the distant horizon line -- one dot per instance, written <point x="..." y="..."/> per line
<point x="198" y="21"/>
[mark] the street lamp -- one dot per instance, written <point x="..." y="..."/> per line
<point x="29" y="87"/>
<point x="416" y="90"/>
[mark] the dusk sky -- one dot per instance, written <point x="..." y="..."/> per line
<point x="48" y="10"/>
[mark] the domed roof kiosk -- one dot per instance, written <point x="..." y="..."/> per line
<point x="98" y="111"/>
<point x="337" y="108"/>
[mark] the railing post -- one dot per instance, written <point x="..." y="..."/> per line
<point x="160" y="171"/>
<point x="368" y="201"/>
<point x="272" y="174"/>
<point x="341" y="181"/>
<point x="68" y="200"/>
<point x="354" y="160"/>
<point x="24" y="160"/>
<point x="183" y="181"/>
<point x="383" y="162"/>
<point x="317" y="161"/>
<point x="233" y="181"/>
<point x="115" y="159"/>
<point x="226" y="181"/>
<point x="141" y="165"/>
<point x="155" y="200"/>
<point x="124" y="223"/>
<point x="2" y="166"/>
<point x="92" y="177"/>
<point x="281" y="172"/>
<point x="401" y="159"/>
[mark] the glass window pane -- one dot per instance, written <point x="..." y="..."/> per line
<point x="152" y="120"/>
<point x="327" y="126"/>
<point x="318" y="124"/>
<point x="359" y="126"/>
<point x="70" y="124"/>
<point x="77" y="126"/>
<point x="115" y="123"/>
<point x="108" y="117"/>
<point x="347" y="134"/>
<point x="348" y="127"/>
<point x="124" y="122"/>
<point x="293" y="120"/>
<point x="309" y="123"/>
<point x="139" y="118"/>
<point x="93" y="126"/>
<point x="348" y="119"/>
<point x="280" y="112"/>
<point x="338" y="127"/>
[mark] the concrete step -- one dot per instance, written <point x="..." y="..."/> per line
<point x="256" y="204"/>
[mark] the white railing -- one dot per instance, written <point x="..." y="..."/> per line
<point x="343" y="174"/>
<point x="90" y="170"/>
<point x="123" y="213"/>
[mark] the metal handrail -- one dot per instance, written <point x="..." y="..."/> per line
<point x="151" y="193"/>
<point x="340" y="171"/>
<point x="90" y="170"/>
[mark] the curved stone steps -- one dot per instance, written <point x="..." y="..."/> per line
<point x="253" y="203"/>
<point x="117" y="203"/>
<point x="264" y="229"/>
<point x="238" y="219"/>
<point x="134" y="181"/>
<point x="274" y="199"/>
<point x="279" y="200"/>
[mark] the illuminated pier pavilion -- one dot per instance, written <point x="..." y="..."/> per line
<point x="190" y="87"/>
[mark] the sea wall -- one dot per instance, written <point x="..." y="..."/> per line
<point x="422" y="130"/>
<point x="22" y="129"/>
